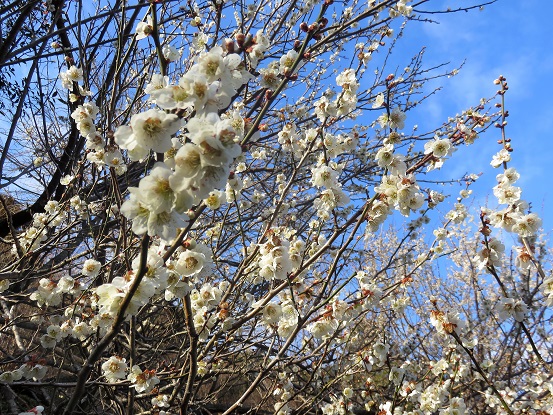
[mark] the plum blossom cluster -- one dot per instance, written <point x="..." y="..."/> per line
<point x="288" y="320"/>
<point x="70" y="77"/>
<point x="50" y="293"/>
<point x="204" y="306"/>
<point x="337" y="314"/>
<point x="54" y="215"/>
<point x="511" y="307"/>
<point x="439" y="148"/>
<point x="109" y="296"/>
<point x="401" y="8"/>
<point x="538" y="397"/>
<point x="143" y="381"/>
<point x="260" y="44"/>
<point x="346" y="100"/>
<point x="394" y="119"/>
<point x="284" y="391"/>
<point x="33" y="370"/>
<point x="197" y="162"/>
<point x="191" y="264"/>
<point x="491" y="255"/>
<point x="84" y="115"/>
<point x="277" y="257"/>
<point x="447" y="323"/>
<point x="400" y="192"/>
<point x="332" y="197"/>
<point x="512" y="218"/>
<point x="369" y="294"/>
<point x="33" y="236"/>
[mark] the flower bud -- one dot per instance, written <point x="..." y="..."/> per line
<point x="240" y="38"/>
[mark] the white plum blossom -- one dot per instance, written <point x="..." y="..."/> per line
<point x="149" y="130"/>
<point x="272" y="312"/>
<point x="378" y="101"/>
<point x="261" y="44"/>
<point x="509" y="176"/>
<point x="155" y="191"/>
<point x="289" y="320"/>
<point x="110" y="296"/>
<point x="157" y="82"/>
<point x="394" y="120"/>
<point x="439" y="147"/>
<point x="527" y="225"/>
<point x="144" y="29"/>
<point x="73" y="74"/>
<point x="323" y="327"/>
<point x="34" y="371"/>
<point x="385" y="155"/>
<point x="37" y="410"/>
<point x="511" y="307"/>
<point x="287" y="61"/>
<point x="507" y="194"/>
<point x="161" y="401"/>
<point x="190" y="262"/>
<point x="348" y="393"/>
<point x="142" y="381"/>
<point x="447" y="322"/>
<point x="91" y="268"/>
<point x="214" y="200"/>
<point x="324" y="176"/>
<point x="114" y="369"/>
<point x="491" y="255"/>
<point x="151" y="215"/>
<point x="170" y="53"/>
<point x="502" y="157"/>
<point x="348" y="81"/>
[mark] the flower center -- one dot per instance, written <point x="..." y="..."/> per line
<point x="152" y="126"/>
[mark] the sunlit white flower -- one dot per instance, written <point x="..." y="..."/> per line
<point x="510" y="307"/>
<point x="114" y="369"/>
<point x="155" y="191"/>
<point x="149" y="130"/>
<point x="165" y="224"/>
<point x="438" y="147"/>
<point x="527" y="225"/>
<point x="144" y="29"/>
<point x="157" y="82"/>
<point x="509" y="176"/>
<point x="395" y="120"/>
<point x="378" y="101"/>
<point x="73" y="74"/>
<point x="261" y="44"/>
<point x="170" y="53"/>
<point x="162" y="401"/>
<point x="91" y="268"/>
<point x="348" y="393"/>
<point x="348" y="81"/>
<point x="272" y="312"/>
<point x="507" y="194"/>
<point x="214" y="199"/>
<point x="190" y="262"/>
<point x="143" y="381"/>
<point x="502" y="157"/>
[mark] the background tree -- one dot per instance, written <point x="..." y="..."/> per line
<point x="197" y="202"/>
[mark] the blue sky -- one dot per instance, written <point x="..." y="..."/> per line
<point x="512" y="38"/>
